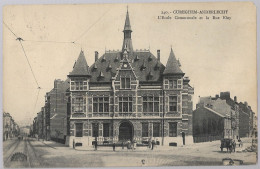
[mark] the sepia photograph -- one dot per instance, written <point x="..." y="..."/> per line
<point x="129" y="85"/>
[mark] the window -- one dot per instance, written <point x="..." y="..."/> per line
<point x="179" y="83"/>
<point x="78" y="85"/>
<point x="150" y="104"/>
<point x="156" y="129"/>
<point x="101" y="104"/>
<point x="172" y="129"/>
<point x="72" y="85"/>
<point x="125" y="104"/>
<point x="173" y="103"/>
<point x="95" y="129"/>
<point x="125" y="82"/>
<point x="172" y="84"/>
<point x="78" y="104"/>
<point x="106" y="130"/>
<point x="79" y="129"/>
<point x="144" y="129"/>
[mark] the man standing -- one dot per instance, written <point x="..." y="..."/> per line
<point x="95" y="143"/>
<point x="183" y="138"/>
<point x="122" y="144"/>
<point x="114" y="147"/>
<point x="153" y="144"/>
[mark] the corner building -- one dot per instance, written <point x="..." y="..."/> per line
<point x="129" y="95"/>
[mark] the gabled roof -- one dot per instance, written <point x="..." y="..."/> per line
<point x="81" y="67"/>
<point x="172" y="66"/>
<point x="135" y="64"/>
<point x="127" y="23"/>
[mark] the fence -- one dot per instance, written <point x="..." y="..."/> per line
<point x="206" y="138"/>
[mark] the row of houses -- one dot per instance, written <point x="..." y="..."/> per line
<point x="10" y="127"/>
<point x="124" y="95"/>
<point x="52" y="122"/>
<point x="221" y="116"/>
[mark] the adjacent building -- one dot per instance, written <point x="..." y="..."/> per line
<point x="129" y="95"/>
<point x="237" y="118"/>
<point x="10" y="127"/>
<point x="212" y="120"/>
<point x="57" y="108"/>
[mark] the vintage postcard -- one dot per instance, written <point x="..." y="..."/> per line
<point x="129" y="85"/>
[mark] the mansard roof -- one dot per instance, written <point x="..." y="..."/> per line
<point x="172" y="66"/>
<point x="153" y="66"/>
<point x="80" y="67"/>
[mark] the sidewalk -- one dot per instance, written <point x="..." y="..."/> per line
<point x="214" y="144"/>
<point x="109" y="148"/>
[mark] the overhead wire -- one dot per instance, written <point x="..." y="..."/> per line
<point x="91" y="26"/>
<point x="42" y="41"/>
<point x="36" y="99"/>
<point x="24" y="40"/>
<point x="20" y="41"/>
<point x="10" y="30"/>
<point x="29" y="63"/>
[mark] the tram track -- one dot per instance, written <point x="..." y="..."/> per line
<point x="23" y="147"/>
<point x="32" y="156"/>
<point x="10" y="153"/>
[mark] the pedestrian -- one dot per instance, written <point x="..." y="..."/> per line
<point x="183" y="138"/>
<point x="114" y="147"/>
<point x="95" y="145"/>
<point x="73" y="144"/>
<point x="149" y="143"/>
<point x="234" y="145"/>
<point x="128" y="145"/>
<point x="241" y="143"/>
<point x="153" y="144"/>
<point x="134" y="147"/>
<point x="122" y="144"/>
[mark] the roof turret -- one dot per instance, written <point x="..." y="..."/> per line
<point x="172" y="66"/>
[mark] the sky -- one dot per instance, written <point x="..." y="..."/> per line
<point x="217" y="55"/>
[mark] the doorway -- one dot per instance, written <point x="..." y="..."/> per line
<point x="126" y="131"/>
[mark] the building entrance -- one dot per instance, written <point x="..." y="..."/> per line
<point x="126" y="131"/>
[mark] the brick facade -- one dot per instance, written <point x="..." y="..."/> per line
<point x="130" y="95"/>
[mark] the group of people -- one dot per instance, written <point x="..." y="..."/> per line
<point x="129" y="145"/>
<point x="151" y="144"/>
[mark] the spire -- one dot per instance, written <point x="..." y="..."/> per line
<point x="80" y="68"/>
<point x="127" y="22"/>
<point x="172" y="66"/>
<point x="127" y="34"/>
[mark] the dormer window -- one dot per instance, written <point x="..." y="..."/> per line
<point x="172" y="84"/>
<point x="125" y="82"/>
<point x="78" y="85"/>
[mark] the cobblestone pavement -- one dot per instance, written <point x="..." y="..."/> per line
<point x="51" y="154"/>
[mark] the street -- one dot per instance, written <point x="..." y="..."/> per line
<point x="48" y="154"/>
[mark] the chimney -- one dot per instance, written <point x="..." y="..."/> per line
<point x="96" y="56"/>
<point x="246" y="104"/>
<point x="217" y="96"/>
<point x="235" y="98"/>
<point x="57" y="82"/>
<point x="225" y="95"/>
<point x="158" y="55"/>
